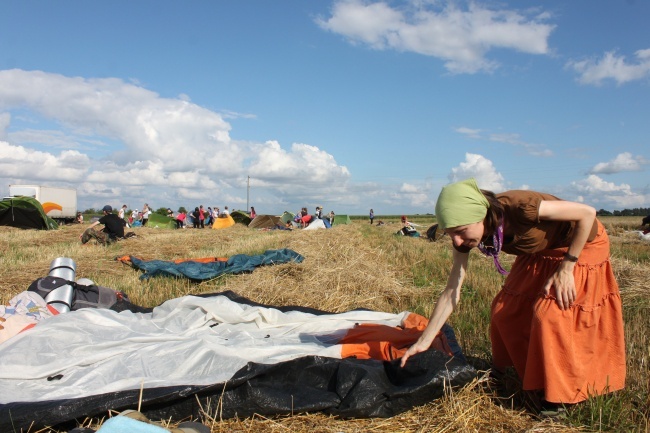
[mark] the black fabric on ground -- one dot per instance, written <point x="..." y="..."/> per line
<point x="349" y="388"/>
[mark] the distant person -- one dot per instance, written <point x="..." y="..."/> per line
<point x="644" y="222"/>
<point x="226" y="212"/>
<point x="145" y="214"/>
<point x="170" y="213"/>
<point x="121" y="214"/>
<point x="406" y="222"/>
<point x="134" y="216"/>
<point x="319" y="212"/>
<point x="79" y="219"/>
<point x="371" y="216"/>
<point x="195" y="218"/>
<point x="180" y="220"/>
<point x="201" y="217"/>
<point x="208" y="217"/>
<point x="407" y="228"/>
<point x="113" y="228"/>
<point x="305" y="218"/>
<point x="330" y="217"/>
<point x="297" y="219"/>
<point x="253" y="214"/>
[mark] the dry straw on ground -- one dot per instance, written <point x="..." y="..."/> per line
<point x="347" y="267"/>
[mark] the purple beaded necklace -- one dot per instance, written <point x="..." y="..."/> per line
<point x="493" y="251"/>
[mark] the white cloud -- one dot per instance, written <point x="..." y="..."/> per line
<point x="469" y="132"/>
<point x="101" y="192"/>
<point x="22" y="163"/>
<point x="506" y="138"/>
<point x="415" y="195"/>
<point x="592" y="190"/>
<point x="142" y="144"/>
<point x="460" y="37"/>
<point x="623" y="162"/>
<point x="612" y="66"/>
<point x="596" y="191"/>
<point x="304" y="165"/>
<point x="480" y="168"/>
<point x="594" y="184"/>
<point x="408" y="188"/>
<point x="514" y="139"/>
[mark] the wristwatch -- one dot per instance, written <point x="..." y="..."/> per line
<point x="570" y="258"/>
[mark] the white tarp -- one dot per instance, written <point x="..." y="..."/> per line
<point x="315" y="225"/>
<point x="186" y="341"/>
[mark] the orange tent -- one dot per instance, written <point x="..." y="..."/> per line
<point x="223" y="222"/>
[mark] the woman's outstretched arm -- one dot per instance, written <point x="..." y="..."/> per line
<point x="444" y="306"/>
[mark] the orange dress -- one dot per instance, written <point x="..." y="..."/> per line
<point x="570" y="354"/>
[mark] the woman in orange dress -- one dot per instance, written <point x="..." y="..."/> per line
<point x="558" y="317"/>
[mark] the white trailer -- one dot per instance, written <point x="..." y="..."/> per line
<point x="60" y="204"/>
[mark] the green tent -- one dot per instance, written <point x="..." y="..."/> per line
<point x="286" y="217"/>
<point x="25" y="213"/>
<point x="341" y="219"/>
<point x="241" y="217"/>
<point x="161" y="221"/>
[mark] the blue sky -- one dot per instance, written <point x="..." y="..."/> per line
<point x="350" y="105"/>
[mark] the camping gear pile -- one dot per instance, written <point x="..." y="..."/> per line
<point x="217" y="351"/>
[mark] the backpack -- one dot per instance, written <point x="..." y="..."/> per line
<point x="431" y="232"/>
<point x="84" y="296"/>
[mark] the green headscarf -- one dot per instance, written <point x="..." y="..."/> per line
<point x="461" y="203"/>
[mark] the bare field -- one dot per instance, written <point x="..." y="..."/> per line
<point x="359" y="266"/>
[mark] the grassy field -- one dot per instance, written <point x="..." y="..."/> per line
<point x="361" y="266"/>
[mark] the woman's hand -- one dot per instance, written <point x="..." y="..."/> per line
<point x="584" y="217"/>
<point x="418" y="347"/>
<point x="448" y="300"/>
<point x="564" y="284"/>
<point x="2" y="320"/>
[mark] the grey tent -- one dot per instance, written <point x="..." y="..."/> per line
<point x="264" y="222"/>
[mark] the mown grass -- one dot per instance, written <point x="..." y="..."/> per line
<point x="361" y="266"/>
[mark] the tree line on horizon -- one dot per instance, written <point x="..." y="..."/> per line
<point x="637" y="211"/>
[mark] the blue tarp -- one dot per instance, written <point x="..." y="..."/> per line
<point x="236" y="264"/>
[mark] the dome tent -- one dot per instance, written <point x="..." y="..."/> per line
<point x="341" y="219"/>
<point x="25" y="213"/>
<point x="264" y="222"/>
<point x="223" y="222"/>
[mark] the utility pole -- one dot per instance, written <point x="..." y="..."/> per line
<point x="248" y="189"/>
